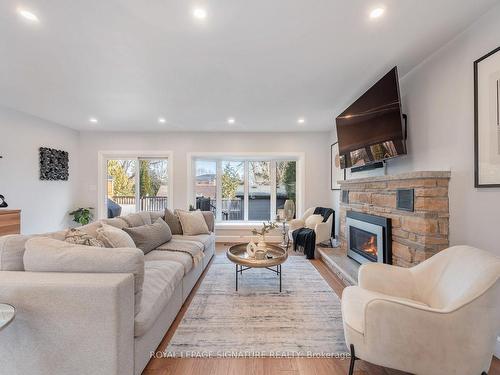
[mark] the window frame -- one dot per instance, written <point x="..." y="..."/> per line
<point x="272" y="157"/>
<point x="104" y="156"/>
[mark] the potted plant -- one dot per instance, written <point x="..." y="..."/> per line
<point x="82" y="215"/>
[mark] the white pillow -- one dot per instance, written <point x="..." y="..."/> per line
<point x="192" y="222"/>
<point x="114" y="237"/>
<point x="313" y="220"/>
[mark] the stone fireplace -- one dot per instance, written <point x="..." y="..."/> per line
<point x="368" y="238"/>
<point x="417" y="230"/>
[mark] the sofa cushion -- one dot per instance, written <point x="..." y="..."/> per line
<point x="12" y="249"/>
<point x="155" y="215"/>
<point x="173" y="256"/>
<point x="137" y="219"/>
<point x="12" y="252"/>
<point x="117" y="222"/>
<point x="91" y="229"/>
<point x="48" y="255"/>
<point x="173" y="222"/>
<point x="192" y="222"/>
<point x="149" y="237"/>
<point x="205" y="239"/>
<point x="114" y="237"/>
<point x="209" y="219"/>
<point x="160" y="280"/>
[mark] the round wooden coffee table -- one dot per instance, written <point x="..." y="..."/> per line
<point x="275" y="257"/>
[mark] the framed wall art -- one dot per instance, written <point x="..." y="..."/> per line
<point x="335" y="172"/>
<point x="487" y="120"/>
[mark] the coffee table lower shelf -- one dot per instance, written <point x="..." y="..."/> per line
<point x="240" y="269"/>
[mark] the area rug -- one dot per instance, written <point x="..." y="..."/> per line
<point x="304" y="320"/>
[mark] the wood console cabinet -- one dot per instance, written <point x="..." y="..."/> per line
<point x="10" y="222"/>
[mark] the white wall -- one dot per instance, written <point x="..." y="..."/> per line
<point x="44" y="204"/>
<point x="439" y="99"/>
<point x="314" y="145"/>
<point x="438" y="96"/>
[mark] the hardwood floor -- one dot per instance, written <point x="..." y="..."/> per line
<point x="265" y="366"/>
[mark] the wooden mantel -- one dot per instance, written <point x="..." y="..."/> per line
<point x="10" y="222"/>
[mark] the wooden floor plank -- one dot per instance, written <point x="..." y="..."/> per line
<point x="265" y="366"/>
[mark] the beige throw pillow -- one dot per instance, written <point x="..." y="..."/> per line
<point x="114" y="237"/>
<point x="192" y="222"/>
<point x="149" y="237"/>
<point x="313" y="220"/>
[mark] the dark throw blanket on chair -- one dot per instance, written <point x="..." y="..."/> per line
<point x="326" y="212"/>
<point x="306" y="239"/>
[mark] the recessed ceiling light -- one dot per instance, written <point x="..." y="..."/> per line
<point x="93" y="120"/>
<point x="27" y="14"/>
<point x="301" y="120"/>
<point x="377" y="12"/>
<point x="231" y="120"/>
<point x="199" y="13"/>
<point x="162" y="120"/>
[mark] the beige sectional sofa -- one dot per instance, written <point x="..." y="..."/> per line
<point x="92" y="322"/>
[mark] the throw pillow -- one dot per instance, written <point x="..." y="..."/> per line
<point x="148" y="237"/>
<point x="137" y="219"/>
<point x="116" y="222"/>
<point x="313" y="220"/>
<point x="192" y="222"/>
<point x="77" y="237"/>
<point x="173" y="222"/>
<point x="111" y="236"/>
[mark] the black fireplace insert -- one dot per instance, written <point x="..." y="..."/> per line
<point x="368" y="238"/>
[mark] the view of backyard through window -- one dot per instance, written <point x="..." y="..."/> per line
<point x="246" y="188"/>
<point x="125" y="175"/>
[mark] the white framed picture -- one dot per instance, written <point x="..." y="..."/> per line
<point x="487" y="120"/>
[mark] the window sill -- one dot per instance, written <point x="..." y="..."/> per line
<point x="238" y="225"/>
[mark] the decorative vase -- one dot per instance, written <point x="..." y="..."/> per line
<point x="251" y="249"/>
<point x="289" y="208"/>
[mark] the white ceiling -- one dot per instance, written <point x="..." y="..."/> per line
<point x="264" y="62"/>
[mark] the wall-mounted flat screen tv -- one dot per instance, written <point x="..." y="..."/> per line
<point x="371" y="129"/>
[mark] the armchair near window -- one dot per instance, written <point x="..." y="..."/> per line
<point x="439" y="317"/>
<point x="323" y="230"/>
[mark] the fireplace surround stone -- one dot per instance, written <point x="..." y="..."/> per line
<point x="417" y="234"/>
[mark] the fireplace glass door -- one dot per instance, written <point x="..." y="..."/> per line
<point x="364" y="243"/>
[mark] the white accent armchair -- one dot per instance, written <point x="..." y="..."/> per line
<point x="323" y="230"/>
<point x="439" y="317"/>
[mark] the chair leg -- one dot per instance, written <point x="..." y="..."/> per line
<point x="353" y="359"/>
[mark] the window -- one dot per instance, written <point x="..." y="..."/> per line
<point x="286" y="182"/>
<point x="205" y="186"/>
<point x="233" y="190"/>
<point x="133" y="183"/>
<point x="244" y="190"/>
<point x="259" y="191"/>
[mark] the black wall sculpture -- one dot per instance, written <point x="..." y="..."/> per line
<point x="54" y="164"/>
